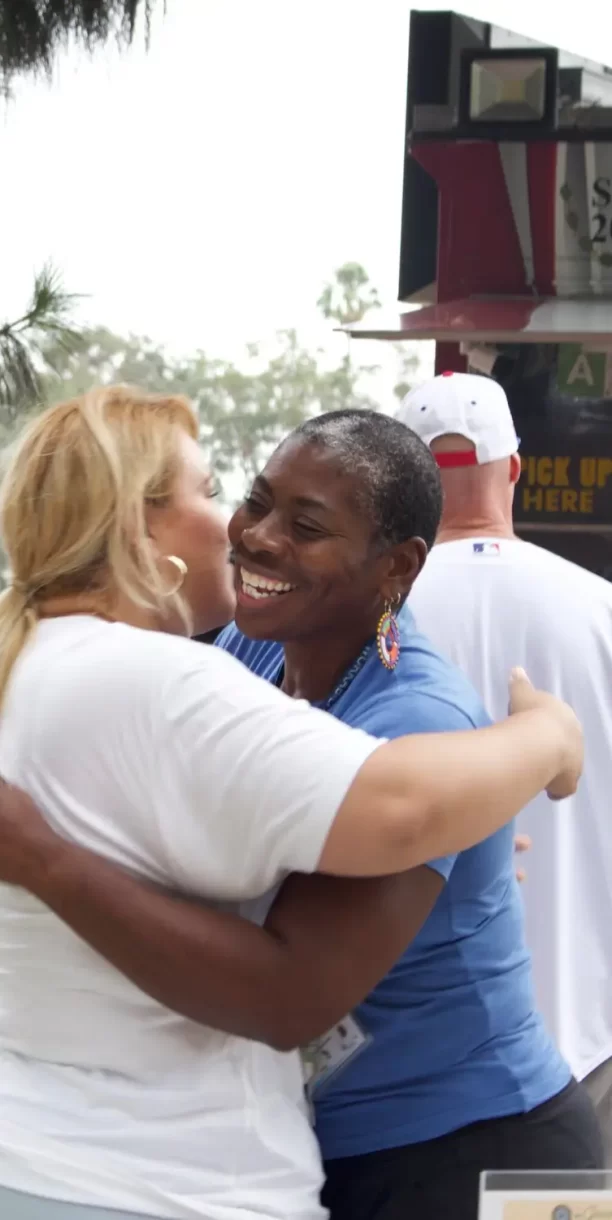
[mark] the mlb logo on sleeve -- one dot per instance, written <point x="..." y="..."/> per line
<point x="486" y="548"/>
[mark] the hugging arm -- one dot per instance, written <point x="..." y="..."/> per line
<point x="326" y="942"/>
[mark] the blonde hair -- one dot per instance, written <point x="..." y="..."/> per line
<point x="73" y="506"/>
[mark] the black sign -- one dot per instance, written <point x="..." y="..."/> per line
<point x="565" y="480"/>
<point x="565" y="443"/>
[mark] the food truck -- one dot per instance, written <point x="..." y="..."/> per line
<point x="506" y="248"/>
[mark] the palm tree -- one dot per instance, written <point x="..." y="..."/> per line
<point x="348" y="296"/>
<point x="26" y="342"/>
<point x="31" y="31"/>
<point x="346" y="299"/>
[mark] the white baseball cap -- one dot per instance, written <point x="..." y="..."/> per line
<point x="463" y="404"/>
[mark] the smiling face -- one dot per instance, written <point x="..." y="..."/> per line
<point x="308" y="562"/>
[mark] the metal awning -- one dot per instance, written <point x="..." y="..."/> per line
<point x="497" y="320"/>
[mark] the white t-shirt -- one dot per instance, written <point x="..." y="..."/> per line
<point x="169" y="758"/>
<point x="491" y="604"/>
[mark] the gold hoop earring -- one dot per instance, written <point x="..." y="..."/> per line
<point x="181" y="568"/>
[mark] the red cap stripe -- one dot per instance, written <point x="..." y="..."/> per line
<point x="450" y="460"/>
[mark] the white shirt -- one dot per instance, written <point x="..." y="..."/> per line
<point x="169" y="758"/>
<point x="491" y="604"/>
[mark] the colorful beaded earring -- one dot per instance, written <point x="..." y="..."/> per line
<point x="388" y="637"/>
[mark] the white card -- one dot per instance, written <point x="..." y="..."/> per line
<point x="326" y="1055"/>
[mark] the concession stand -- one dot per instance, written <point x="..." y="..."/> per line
<point x="507" y="250"/>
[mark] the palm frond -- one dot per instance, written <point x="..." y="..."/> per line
<point x="49" y="305"/>
<point x="25" y="342"/>
<point x="19" y="380"/>
<point x="32" y="31"/>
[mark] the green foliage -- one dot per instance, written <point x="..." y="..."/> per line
<point x="244" y="409"/>
<point x="346" y="299"/>
<point x="408" y="364"/>
<point x="27" y="345"/>
<point x="348" y="296"/>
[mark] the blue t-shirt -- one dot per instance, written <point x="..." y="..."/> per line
<point x="451" y="1034"/>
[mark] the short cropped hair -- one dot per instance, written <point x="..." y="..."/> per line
<point x="401" y="484"/>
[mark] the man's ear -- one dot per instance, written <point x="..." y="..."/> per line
<point x="515" y="468"/>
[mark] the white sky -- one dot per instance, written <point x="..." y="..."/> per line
<point x="202" y="192"/>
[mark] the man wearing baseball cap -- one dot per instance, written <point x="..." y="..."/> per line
<point x="491" y="601"/>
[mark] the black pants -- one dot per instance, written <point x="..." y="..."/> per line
<point x="439" y="1179"/>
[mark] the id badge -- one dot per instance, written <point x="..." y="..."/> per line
<point x="333" y="1051"/>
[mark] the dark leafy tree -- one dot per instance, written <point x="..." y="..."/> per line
<point x="33" y="31"/>
<point x="31" y="343"/>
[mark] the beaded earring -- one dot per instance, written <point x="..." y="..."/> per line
<point x="388" y="637"/>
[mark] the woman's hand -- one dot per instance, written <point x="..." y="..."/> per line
<point x="524" y="698"/>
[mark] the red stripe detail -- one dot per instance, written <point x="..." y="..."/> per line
<point x="478" y="246"/>
<point x="450" y="460"/>
<point x="542" y="179"/>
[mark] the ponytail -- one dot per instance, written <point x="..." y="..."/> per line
<point x="73" y="507"/>
<point x="18" y="619"/>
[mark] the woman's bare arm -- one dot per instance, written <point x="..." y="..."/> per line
<point x="436" y="794"/>
<point x="181" y="954"/>
<point x="326" y="942"/>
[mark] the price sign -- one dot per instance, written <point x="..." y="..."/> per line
<point x="562" y="1195"/>
<point x="591" y="1206"/>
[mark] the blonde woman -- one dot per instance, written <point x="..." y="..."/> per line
<point x="173" y="761"/>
